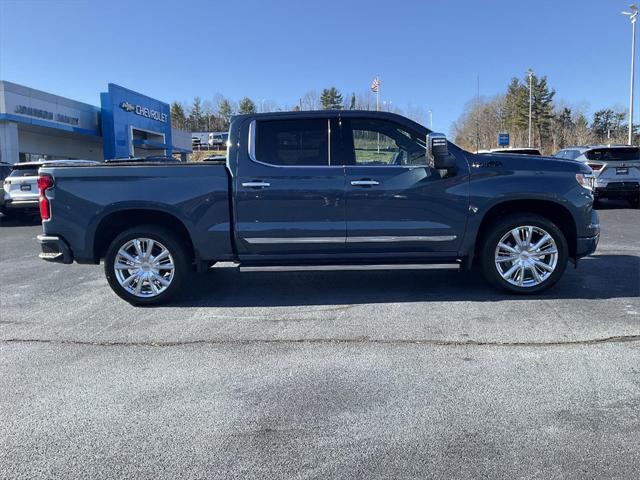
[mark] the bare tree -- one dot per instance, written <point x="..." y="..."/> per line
<point x="311" y="100"/>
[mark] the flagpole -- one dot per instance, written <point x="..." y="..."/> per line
<point x="378" y="107"/>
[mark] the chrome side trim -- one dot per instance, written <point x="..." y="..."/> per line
<point x="277" y="240"/>
<point x="330" y="268"/>
<point x="382" y="239"/>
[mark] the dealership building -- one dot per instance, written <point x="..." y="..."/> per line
<point x="37" y="125"/>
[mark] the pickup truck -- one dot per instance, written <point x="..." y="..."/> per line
<point x="326" y="190"/>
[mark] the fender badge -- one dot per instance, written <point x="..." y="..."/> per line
<point x="489" y="164"/>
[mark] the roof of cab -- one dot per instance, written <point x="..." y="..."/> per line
<point x="328" y="113"/>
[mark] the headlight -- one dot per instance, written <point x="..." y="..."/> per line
<point x="586" y="180"/>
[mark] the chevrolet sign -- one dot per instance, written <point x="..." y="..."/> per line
<point x="144" y="112"/>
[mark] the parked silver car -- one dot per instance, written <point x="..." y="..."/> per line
<point x="20" y="189"/>
<point x="616" y="168"/>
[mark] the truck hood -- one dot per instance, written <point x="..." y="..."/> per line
<point x="527" y="162"/>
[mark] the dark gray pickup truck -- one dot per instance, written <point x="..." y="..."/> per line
<point x="322" y="191"/>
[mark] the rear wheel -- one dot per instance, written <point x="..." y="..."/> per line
<point x="146" y="265"/>
<point x="524" y="254"/>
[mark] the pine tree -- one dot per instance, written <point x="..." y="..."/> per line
<point x="516" y="110"/>
<point x="563" y="126"/>
<point x="331" y="99"/>
<point x="541" y="109"/>
<point x="178" y="119"/>
<point x="195" y="116"/>
<point x="224" y="113"/>
<point x="607" y="124"/>
<point x="246" y="105"/>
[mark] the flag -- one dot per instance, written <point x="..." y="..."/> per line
<point x="375" y="85"/>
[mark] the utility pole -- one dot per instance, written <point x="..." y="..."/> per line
<point x="633" y="15"/>
<point x="478" y="114"/>
<point x="530" y="102"/>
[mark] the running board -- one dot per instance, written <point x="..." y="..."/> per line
<point x="331" y="268"/>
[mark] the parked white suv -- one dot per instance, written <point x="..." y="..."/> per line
<point x="20" y="192"/>
<point x="616" y="168"/>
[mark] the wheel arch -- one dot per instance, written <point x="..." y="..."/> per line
<point x="114" y="223"/>
<point x="553" y="211"/>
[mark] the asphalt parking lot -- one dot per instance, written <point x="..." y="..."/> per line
<point x="322" y="375"/>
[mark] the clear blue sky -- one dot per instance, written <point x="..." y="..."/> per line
<point x="426" y="52"/>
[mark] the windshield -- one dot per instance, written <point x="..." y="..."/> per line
<point x="613" y="154"/>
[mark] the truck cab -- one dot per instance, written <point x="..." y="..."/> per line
<point x="344" y="186"/>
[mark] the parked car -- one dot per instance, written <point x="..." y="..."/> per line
<point x="517" y="151"/>
<point x="218" y="139"/>
<point x="319" y="191"/>
<point x="5" y="170"/>
<point x="199" y="139"/>
<point x="616" y="169"/>
<point x="20" y="192"/>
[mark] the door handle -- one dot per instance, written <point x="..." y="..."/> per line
<point x="364" y="183"/>
<point x="256" y="184"/>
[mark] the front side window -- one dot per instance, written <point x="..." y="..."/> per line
<point x="293" y="142"/>
<point x="380" y="142"/>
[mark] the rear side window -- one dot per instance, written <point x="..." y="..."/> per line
<point x="613" y="154"/>
<point x="24" y="172"/>
<point x="293" y="142"/>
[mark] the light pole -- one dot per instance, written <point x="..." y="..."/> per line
<point x="530" y="72"/>
<point x="430" y="120"/>
<point x="633" y="15"/>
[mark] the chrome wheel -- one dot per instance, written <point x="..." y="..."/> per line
<point x="144" y="267"/>
<point x="526" y="256"/>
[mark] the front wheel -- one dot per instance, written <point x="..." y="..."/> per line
<point x="524" y="254"/>
<point x="146" y="265"/>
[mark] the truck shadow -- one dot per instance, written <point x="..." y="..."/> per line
<point x="613" y="204"/>
<point x="19" y="221"/>
<point x="598" y="277"/>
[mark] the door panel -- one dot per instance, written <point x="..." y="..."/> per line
<point x="395" y="203"/>
<point x="411" y="209"/>
<point x="288" y="199"/>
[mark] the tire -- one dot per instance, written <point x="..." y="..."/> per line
<point x="524" y="274"/>
<point x="635" y="202"/>
<point x="149" y="281"/>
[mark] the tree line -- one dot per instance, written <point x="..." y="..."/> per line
<point x="554" y="124"/>
<point x="214" y="115"/>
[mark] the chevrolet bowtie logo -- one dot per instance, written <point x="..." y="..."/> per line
<point x="127" y="107"/>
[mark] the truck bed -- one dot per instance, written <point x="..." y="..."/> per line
<point x="195" y="195"/>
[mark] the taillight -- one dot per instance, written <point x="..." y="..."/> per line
<point x="45" y="182"/>
<point x="595" y="166"/>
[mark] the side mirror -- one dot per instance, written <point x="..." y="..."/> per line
<point x="438" y="152"/>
